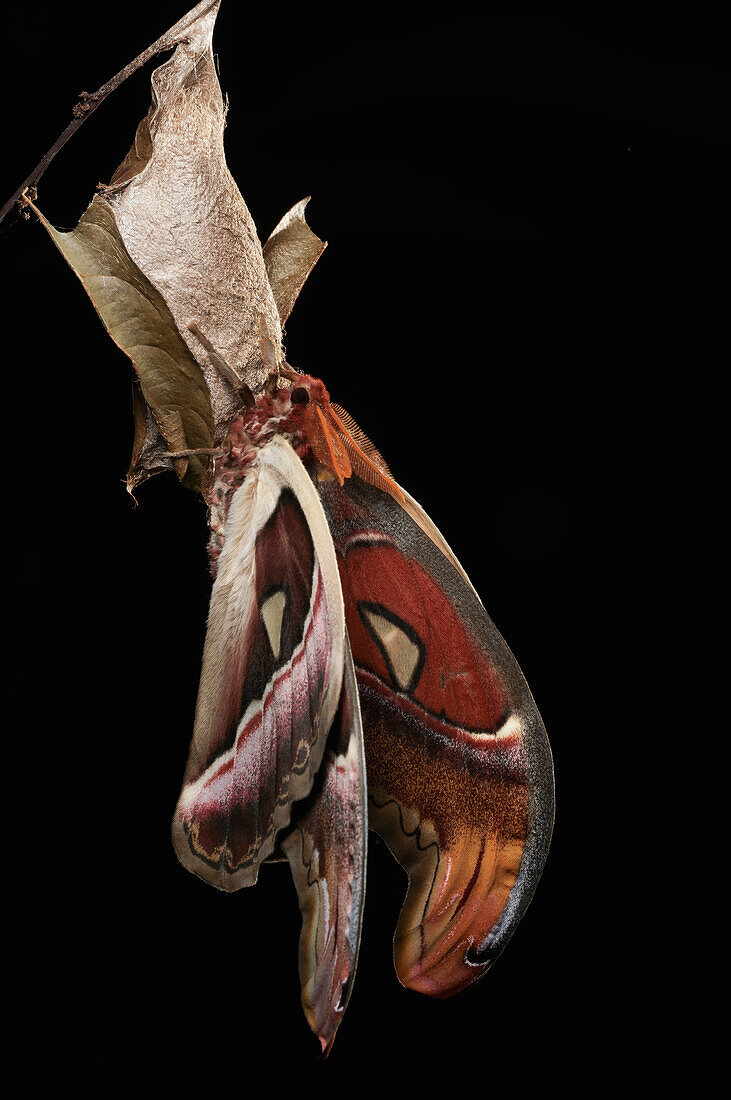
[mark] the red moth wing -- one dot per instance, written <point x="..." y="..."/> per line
<point x="271" y="677"/>
<point x="326" y="848"/>
<point x="460" y="776"/>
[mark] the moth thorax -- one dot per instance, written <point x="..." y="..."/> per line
<point x="271" y="415"/>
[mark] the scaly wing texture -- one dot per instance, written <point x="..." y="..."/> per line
<point x="326" y="849"/>
<point x="460" y="776"/>
<point x="271" y="677"/>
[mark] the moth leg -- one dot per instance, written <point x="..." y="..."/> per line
<point x="271" y="352"/>
<point x="284" y="371"/>
<point x="223" y="369"/>
<point x="216" y="452"/>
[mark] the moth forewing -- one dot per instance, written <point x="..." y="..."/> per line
<point x="271" y="677"/>
<point x="459" y="771"/>
<point x="427" y="525"/>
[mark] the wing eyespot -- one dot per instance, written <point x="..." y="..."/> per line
<point x="272" y="611"/>
<point x="401" y="647"/>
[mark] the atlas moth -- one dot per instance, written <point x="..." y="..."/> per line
<point x="352" y="679"/>
<point x="351" y="676"/>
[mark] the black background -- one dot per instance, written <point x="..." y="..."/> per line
<point x="510" y="205"/>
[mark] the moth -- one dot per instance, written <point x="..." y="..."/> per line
<point x="347" y="653"/>
<point x="351" y="678"/>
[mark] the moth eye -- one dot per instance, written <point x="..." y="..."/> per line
<point x="299" y="396"/>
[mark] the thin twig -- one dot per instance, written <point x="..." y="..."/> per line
<point x="89" y="102"/>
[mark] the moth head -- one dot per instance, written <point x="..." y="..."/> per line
<point x="306" y="390"/>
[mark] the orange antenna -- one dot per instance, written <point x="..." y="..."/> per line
<point x="366" y="460"/>
<point x="326" y="444"/>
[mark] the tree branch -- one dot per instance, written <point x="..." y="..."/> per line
<point x="89" y="102"/>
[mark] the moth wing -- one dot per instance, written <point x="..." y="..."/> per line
<point x="271" y="677"/>
<point x="460" y="775"/>
<point x="326" y="849"/>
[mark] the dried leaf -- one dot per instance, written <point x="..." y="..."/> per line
<point x="149" y="453"/>
<point x="290" y="255"/>
<point x="139" y="321"/>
